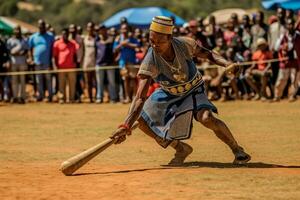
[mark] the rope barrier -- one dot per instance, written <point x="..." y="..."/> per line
<point x="117" y="67"/>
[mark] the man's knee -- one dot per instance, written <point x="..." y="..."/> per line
<point x="205" y="117"/>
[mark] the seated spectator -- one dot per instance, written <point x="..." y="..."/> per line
<point x="213" y="75"/>
<point x="233" y="56"/>
<point x="260" y="70"/>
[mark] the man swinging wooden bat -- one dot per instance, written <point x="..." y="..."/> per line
<point x="167" y="114"/>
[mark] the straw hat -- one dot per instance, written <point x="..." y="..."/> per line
<point x="261" y="41"/>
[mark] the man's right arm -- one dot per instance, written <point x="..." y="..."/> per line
<point x="134" y="111"/>
<point x="139" y="100"/>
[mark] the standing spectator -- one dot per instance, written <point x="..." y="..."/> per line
<point x="40" y="45"/>
<point x="212" y="31"/>
<point x="4" y="80"/>
<point x="287" y="68"/>
<point x="259" y="29"/>
<point x="18" y="50"/>
<point x="200" y="22"/>
<point x="276" y="29"/>
<point x="105" y="58"/>
<point x="261" y="70"/>
<point x="297" y="48"/>
<point x="79" y="55"/>
<point x="246" y="34"/>
<point x="125" y="46"/>
<point x="229" y="35"/>
<point x="64" y="54"/>
<point x="235" y="20"/>
<point x="289" y="14"/>
<point x="144" y="48"/>
<point x="89" y="59"/>
<point x="197" y="34"/>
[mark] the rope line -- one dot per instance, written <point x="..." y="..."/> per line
<point x="117" y="67"/>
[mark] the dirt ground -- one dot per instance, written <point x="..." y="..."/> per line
<point x="36" y="138"/>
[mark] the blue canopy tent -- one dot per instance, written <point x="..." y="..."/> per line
<point x="141" y="17"/>
<point x="286" y="4"/>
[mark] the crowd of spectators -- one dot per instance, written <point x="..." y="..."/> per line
<point x="249" y="40"/>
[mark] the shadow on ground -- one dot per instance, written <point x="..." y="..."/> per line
<point x="195" y="165"/>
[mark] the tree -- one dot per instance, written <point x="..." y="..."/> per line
<point x="8" y="8"/>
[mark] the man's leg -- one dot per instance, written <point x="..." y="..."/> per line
<point x="253" y="86"/>
<point x="111" y="75"/>
<point x="182" y="149"/>
<point x="15" y="83"/>
<point x="23" y="83"/>
<point x="40" y="84"/>
<point x="281" y="82"/>
<point x="295" y="78"/>
<point x="72" y="86"/>
<point x="206" y="118"/>
<point x="61" y="87"/>
<point x="49" y="86"/>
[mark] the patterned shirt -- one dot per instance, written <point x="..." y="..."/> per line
<point x="153" y="63"/>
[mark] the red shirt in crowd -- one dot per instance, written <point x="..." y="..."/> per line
<point x="64" y="54"/>
<point x="228" y="37"/>
<point x="260" y="56"/>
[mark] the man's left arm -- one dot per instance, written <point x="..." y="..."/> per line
<point x="215" y="58"/>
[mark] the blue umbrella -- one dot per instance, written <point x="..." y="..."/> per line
<point x="141" y="17"/>
<point x="287" y="4"/>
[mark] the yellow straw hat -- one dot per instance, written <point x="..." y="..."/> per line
<point x="162" y="24"/>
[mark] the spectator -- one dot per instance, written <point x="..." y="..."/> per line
<point x="213" y="76"/>
<point x="212" y="31"/>
<point x="105" y="58"/>
<point x="125" y="46"/>
<point x="64" y="54"/>
<point x="229" y="34"/>
<point x="289" y="14"/>
<point x="79" y="30"/>
<point x="297" y="48"/>
<point x="18" y="49"/>
<point x="79" y="55"/>
<point x="260" y="70"/>
<point x="233" y="56"/>
<point x="196" y="34"/>
<point x="40" y="45"/>
<point x="259" y="29"/>
<point x="144" y="47"/>
<point x="89" y="60"/>
<point x="235" y="21"/>
<point x="4" y="65"/>
<point x="276" y="29"/>
<point x="246" y="34"/>
<point x="287" y="63"/>
<point x="200" y="22"/>
<point x="138" y="35"/>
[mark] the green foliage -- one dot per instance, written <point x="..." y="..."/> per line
<point x="59" y="13"/>
<point x="8" y="8"/>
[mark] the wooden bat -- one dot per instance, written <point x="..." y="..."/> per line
<point x="69" y="166"/>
